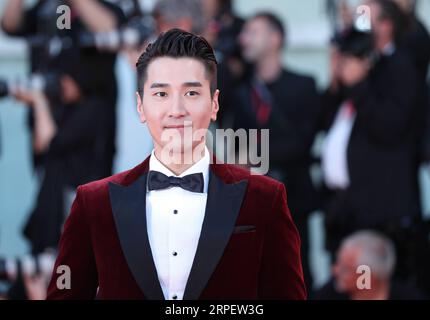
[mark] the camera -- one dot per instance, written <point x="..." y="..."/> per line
<point x="49" y="83"/>
<point x="356" y="43"/>
<point x="132" y="35"/>
<point x="4" y="88"/>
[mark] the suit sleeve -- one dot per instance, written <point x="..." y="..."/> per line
<point x="281" y="274"/>
<point x="75" y="252"/>
<point x="388" y="110"/>
<point x="298" y="128"/>
<point x="79" y="127"/>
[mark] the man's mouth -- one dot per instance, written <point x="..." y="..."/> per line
<point x="178" y="126"/>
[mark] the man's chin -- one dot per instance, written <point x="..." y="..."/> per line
<point x="177" y="153"/>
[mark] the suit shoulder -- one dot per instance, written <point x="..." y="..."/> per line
<point x="255" y="181"/>
<point x="102" y="184"/>
<point x="267" y="190"/>
<point x="401" y="61"/>
<point x="300" y="78"/>
<point x="121" y="178"/>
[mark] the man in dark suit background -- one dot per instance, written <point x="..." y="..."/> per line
<point x="416" y="44"/>
<point x="371" y="154"/>
<point x="38" y="24"/>
<point x="177" y="227"/>
<point x="275" y="98"/>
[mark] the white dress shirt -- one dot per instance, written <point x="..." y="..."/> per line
<point x="174" y="221"/>
<point x="334" y="153"/>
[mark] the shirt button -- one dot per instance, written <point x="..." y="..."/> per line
<point x="175" y="297"/>
<point x="175" y="253"/>
<point x="175" y="211"/>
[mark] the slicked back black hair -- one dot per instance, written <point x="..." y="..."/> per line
<point x="177" y="43"/>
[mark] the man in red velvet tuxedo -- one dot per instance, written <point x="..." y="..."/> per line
<point x="171" y="229"/>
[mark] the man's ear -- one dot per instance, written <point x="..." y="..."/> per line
<point x="139" y="104"/>
<point x="215" y="105"/>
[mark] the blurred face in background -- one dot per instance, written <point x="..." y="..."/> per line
<point x="258" y="39"/>
<point x="164" y="24"/>
<point x="210" y="8"/>
<point x="352" y="70"/>
<point x="346" y="14"/>
<point x="344" y="270"/>
<point x="407" y="6"/>
<point x="382" y="29"/>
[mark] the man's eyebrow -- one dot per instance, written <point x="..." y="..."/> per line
<point x="159" y="85"/>
<point x="192" y="84"/>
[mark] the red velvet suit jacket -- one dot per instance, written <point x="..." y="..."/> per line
<point x="249" y="247"/>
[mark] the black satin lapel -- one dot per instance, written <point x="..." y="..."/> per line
<point x="222" y="208"/>
<point x="129" y="211"/>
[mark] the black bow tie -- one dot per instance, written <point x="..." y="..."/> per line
<point x="191" y="182"/>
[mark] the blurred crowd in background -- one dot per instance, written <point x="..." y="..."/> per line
<point x="374" y="120"/>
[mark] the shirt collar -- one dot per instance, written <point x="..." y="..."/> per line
<point x="201" y="166"/>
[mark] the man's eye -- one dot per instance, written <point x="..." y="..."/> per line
<point x="161" y="94"/>
<point x="192" y="93"/>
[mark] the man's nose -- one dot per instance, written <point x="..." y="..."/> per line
<point x="177" y="108"/>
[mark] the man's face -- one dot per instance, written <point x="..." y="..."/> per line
<point x="344" y="270"/>
<point x="256" y="39"/>
<point x="407" y="6"/>
<point x="352" y="70"/>
<point x="382" y="29"/>
<point x="176" y="102"/>
<point x="375" y="12"/>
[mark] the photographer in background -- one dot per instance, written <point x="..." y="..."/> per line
<point x="73" y="127"/>
<point x="69" y="130"/>
<point x="167" y="14"/>
<point x="49" y="46"/>
<point x="371" y="154"/>
<point x="416" y="44"/>
<point x="223" y="27"/>
<point x="285" y="102"/>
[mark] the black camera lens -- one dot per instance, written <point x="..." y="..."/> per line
<point x="4" y="91"/>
